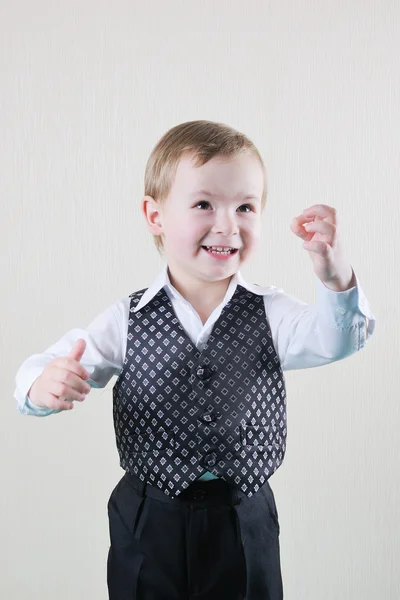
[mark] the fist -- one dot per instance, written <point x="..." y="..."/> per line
<point x="62" y="381"/>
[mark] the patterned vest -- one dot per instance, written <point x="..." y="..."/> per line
<point x="179" y="412"/>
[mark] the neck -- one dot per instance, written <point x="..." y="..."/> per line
<point x="204" y="294"/>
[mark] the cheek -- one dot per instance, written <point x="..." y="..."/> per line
<point x="188" y="231"/>
<point x="255" y="243"/>
<point x="256" y="236"/>
<point x="178" y="234"/>
<point x="252" y="234"/>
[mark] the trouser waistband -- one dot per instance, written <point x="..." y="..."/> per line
<point x="214" y="491"/>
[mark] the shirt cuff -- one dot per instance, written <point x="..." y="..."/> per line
<point x="38" y="411"/>
<point x="24" y="404"/>
<point x="343" y="310"/>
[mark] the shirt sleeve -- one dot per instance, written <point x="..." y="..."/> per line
<point x="312" y="335"/>
<point x="104" y="354"/>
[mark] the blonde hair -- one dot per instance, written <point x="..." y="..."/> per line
<point x="202" y="140"/>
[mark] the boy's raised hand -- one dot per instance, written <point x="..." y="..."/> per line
<point x="318" y="228"/>
<point x="63" y="380"/>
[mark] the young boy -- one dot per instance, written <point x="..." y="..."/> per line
<point x="199" y="404"/>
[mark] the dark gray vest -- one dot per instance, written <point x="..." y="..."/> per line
<point x="179" y="412"/>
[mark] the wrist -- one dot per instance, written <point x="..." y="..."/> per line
<point x="32" y="396"/>
<point x="341" y="284"/>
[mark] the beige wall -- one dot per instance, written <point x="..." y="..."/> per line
<point x="87" y="89"/>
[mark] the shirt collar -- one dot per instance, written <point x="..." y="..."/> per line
<point x="163" y="281"/>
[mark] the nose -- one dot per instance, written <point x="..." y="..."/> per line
<point x="225" y="224"/>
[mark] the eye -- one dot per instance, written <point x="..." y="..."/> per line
<point x="202" y="202"/>
<point x="247" y="206"/>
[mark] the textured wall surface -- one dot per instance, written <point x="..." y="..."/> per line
<point x="87" y="89"/>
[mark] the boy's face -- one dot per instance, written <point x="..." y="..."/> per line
<point x="190" y="219"/>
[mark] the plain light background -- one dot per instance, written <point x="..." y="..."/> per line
<point x="87" y="89"/>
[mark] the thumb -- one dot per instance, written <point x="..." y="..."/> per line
<point x="78" y="350"/>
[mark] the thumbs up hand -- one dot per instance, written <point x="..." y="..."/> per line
<point x="62" y="381"/>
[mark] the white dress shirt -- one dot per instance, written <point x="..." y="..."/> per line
<point x="304" y="335"/>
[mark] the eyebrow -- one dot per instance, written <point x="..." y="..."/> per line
<point x="205" y="193"/>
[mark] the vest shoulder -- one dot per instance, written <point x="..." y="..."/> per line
<point x="138" y="293"/>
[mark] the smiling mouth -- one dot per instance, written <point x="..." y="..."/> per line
<point x="225" y="250"/>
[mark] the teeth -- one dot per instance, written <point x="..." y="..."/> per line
<point x="219" y="248"/>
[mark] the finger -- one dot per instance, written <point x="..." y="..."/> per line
<point x="70" y="364"/>
<point x="61" y="390"/>
<point x="300" y="232"/>
<point x="300" y="219"/>
<point x="323" y="211"/>
<point x="321" y="248"/>
<point x="323" y="227"/>
<point x="59" y="403"/>
<point x="298" y="227"/>
<point x="78" y="349"/>
<point x="70" y="379"/>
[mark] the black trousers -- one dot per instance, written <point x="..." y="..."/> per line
<point x="211" y="542"/>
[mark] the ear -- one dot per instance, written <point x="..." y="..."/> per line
<point x="152" y="214"/>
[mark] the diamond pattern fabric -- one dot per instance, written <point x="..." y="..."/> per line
<point x="179" y="412"/>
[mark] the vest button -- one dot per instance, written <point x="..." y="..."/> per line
<point x="203" y="372"/>
<point x="210" y="459"/>
<point x="209" y="419"/>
